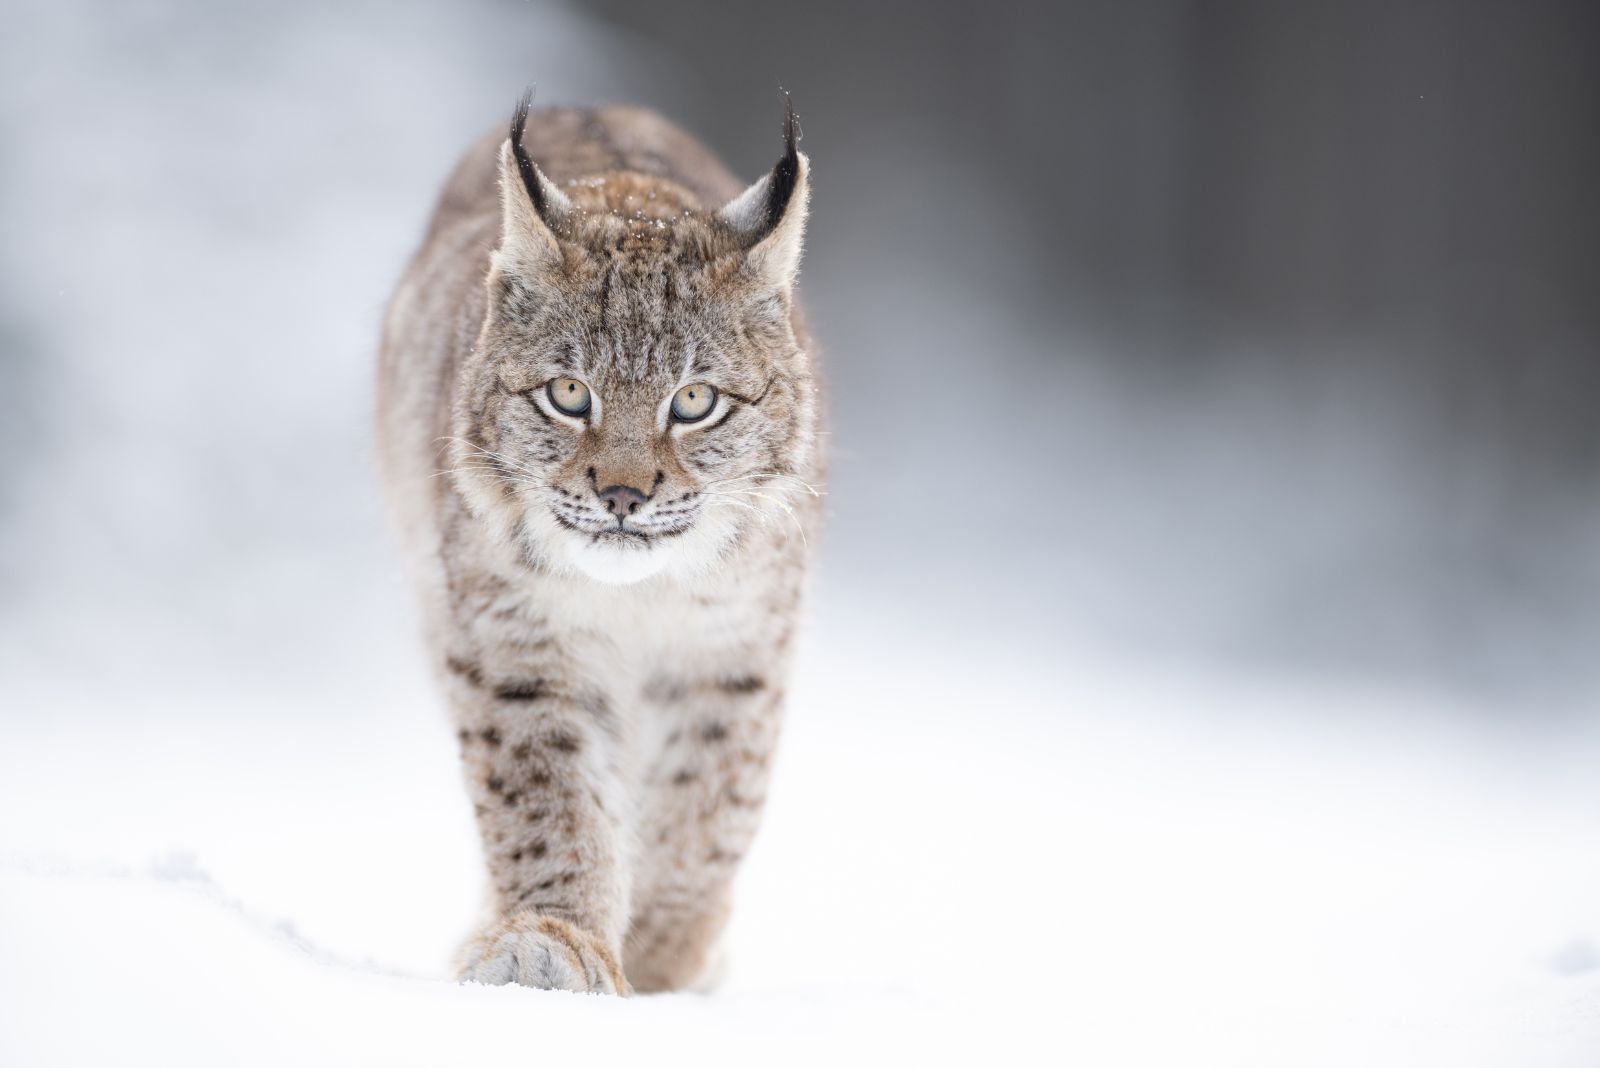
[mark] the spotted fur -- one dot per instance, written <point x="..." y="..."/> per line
<point x="617" y="681"/>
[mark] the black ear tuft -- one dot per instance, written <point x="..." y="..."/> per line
<point x="785" y="174"/>
<point x="530" y="177"/>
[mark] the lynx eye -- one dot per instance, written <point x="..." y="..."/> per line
<point x="693" y="402"/>
<point x="568" y="395"/>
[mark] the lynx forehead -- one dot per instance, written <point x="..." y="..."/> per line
<point x="599" y="345"/>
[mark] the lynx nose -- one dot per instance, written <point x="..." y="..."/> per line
<point x="621" y="501"/>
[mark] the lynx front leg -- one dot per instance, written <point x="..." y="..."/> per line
<point x="706" y="791"/>
<point x="539" y="764"/>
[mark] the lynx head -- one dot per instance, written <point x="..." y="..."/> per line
<point x="637" y="400"/>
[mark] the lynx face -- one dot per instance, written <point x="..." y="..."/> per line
<point x="637" y="396"/>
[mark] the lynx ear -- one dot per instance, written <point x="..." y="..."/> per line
<point x="533" y="212"/>
<point x="770" y="216"/>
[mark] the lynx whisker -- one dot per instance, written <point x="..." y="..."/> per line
<point x="501" y="457"/>
<point x="767" y="497"/>
<point x="769" y="475"/>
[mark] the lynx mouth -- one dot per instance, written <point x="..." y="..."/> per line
<point x="618" y="557"/>
<point x="621" y="536"/>
<point x="612" y="535"/>
<point x="621" y="555"/>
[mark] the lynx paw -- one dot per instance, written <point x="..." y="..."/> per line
<point x="544" y="952"/>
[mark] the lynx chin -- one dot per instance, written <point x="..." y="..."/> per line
<point x="598" y="422"/>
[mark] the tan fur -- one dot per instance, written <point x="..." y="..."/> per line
<point x="617" y="687"/>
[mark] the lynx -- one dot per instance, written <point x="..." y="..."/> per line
<point x="598" y="424"/>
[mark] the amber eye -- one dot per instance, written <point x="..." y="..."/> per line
<point x="693" y="402"/>
<point x="568" y="395"/>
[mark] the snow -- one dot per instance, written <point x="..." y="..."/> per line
<point x="972" y="854"/>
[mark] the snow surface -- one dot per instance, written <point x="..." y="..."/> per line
<point x="970" y="856"/>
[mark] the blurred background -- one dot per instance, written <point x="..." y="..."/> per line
<point x="1252" y="336"/>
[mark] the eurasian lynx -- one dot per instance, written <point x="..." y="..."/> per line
<point x="604" y="355"/>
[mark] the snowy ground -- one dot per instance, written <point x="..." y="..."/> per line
<point x="970" y="856"/>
